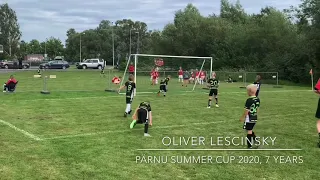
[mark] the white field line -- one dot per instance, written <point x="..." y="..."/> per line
<point x="158" y="127"/>
<point x="34" y="137"/>
<point x="145" y="94"/>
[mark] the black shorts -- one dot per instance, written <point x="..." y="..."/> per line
<point x="186" y="79"/>
<point x="318" y="110"/>
<point x="143" y="116"/>
<point x="163" y="88"/>
<point x="129" y="100"/>
<point x="213" y="92"/>
<point x="248" y="126"/>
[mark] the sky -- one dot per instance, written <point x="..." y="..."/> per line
<point x="41" y="19"/>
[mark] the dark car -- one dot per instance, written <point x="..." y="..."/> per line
<point x="13" y="65"/>
<point x="55" y="64"/>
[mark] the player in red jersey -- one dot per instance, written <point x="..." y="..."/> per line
<point x="193" y="76"/>
<point x="202" y="77"/>
<point x="151" y="74"/>
<point x="116" y="80"/>
<point x="197" y="76"/>
<point x="157" y="74"/>
<point x="180" y="74"/>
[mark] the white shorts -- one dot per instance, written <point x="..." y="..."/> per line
<point x="180" y="76"/>
<point x="191" y="79"/>
<point x="202" y="77"/>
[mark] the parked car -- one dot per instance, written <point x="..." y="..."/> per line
<point x="91" y="63"/>
<point x="55" y="64"/>
<point x="13" y="65"/>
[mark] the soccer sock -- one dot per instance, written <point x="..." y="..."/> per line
<point x="253" y="135"/>
<point x="249" y="140"/>
<point x="209" y="102"/>
<point x="128" y="108"/>
<point x="146" y="126"/>
<point x="164" y="93"/>
<point x="216" y="100"/>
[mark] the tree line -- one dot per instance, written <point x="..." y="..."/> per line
<point x="271" y="40"/>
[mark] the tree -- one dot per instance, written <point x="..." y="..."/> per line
<point x="10" y="30"/>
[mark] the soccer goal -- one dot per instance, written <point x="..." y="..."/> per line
<point x="149" y="70"/>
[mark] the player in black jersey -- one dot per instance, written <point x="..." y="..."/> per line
<point x="142" y="115"/>
<point x="213" y="85"/>
<point x="39" y="72"/>
<point x="130" y="92"/>
<point x="250" y="115"/>
<point x="163" y="86"/>
<point x="317" y="91"/>
<point x="102" y="72"/>
<point x="258" y="84"/>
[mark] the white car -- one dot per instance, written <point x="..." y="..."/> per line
<point x="92" y="64"/>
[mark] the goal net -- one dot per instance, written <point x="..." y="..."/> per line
<point x="149" y="70"/>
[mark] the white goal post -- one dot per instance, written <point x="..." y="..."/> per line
<point x="136" y="56"/>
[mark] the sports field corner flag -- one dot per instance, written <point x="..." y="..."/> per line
<point x="311" y="74"/>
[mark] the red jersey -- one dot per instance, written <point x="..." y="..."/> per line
<point x="180" y="72"/>
<point x="131" y="68"/>
<point x="152" y="72"/>
<point x="202" y="74"/>
<point x="193" y="75"/>
<point x="116" y="80"/>
<point x="197" y="74"/>
<point x="11" y="80"/>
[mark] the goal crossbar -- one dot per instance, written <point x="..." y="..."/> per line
<point x="170" y="56"/>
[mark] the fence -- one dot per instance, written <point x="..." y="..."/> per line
<point x="74" y="80"/>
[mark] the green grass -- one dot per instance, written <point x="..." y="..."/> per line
<point x="84" y="135"/>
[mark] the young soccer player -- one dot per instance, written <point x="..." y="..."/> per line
<point x="116" y="80"/>
<point x="202" y="77"/>
<point x="213" y="85"/>
<point x="142" y="115"/>
<point x="258" y="84"/>
<point x="186" y="77"/>
<point x="39" y="72"/>
<point x="130" y="93"/>
<point x="163" y="86"/>
<point x="180" y="74"/>
<point x="317" y="91"/>
<point x="250" y="115"/>
<point x="102" y="72"/>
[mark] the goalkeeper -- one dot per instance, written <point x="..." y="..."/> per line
<point x="142" y="115"/>
<point x="163" y="86"/>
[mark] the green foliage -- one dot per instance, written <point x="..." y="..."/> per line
<point x="286" y="42"/>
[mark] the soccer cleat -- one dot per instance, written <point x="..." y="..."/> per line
<point x="217" y="105"/>
<point x="130" y="112"/>
<point x="147" y="135"/>
<point x="133" y="124"/>
<point x="125" y="114"/>
<point x="209" y="107"/>
<point x="4" y="91"/>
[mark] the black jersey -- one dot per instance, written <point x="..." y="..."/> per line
<point x="213" y="83"/>
<point x="145" y="105"/>
<point x="130" y="85"/>
<point x="164" y="81"/>
<point x="258" y="84"/>
<point x="252" y="105"/>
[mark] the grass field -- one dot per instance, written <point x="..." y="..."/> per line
<point x="78" y="132"/>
